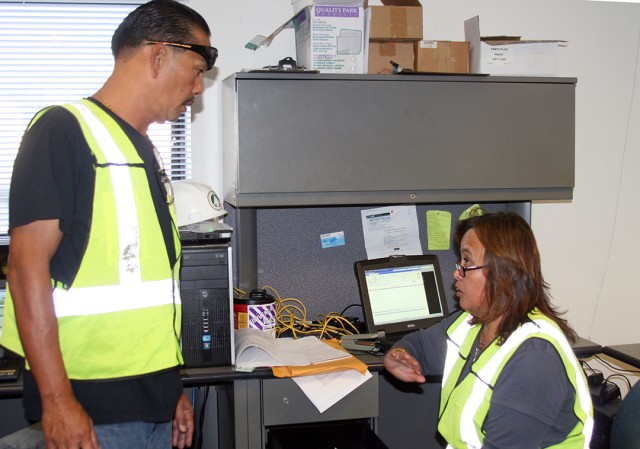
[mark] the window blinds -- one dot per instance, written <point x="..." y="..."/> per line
<point x="55" y="53"/>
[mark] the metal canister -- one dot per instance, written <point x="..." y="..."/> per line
<point x="257" y="312"/>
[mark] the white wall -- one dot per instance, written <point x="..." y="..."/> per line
<point x="590" y="246"/>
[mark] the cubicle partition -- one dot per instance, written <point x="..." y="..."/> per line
<point x="305" y="153"/>
<point x="291" y="259"/>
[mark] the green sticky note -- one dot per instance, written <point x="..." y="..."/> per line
<point x="471" y="211"/>
<point x="438" y="230"/>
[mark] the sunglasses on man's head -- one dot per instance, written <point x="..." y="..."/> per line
<point x="210" y="54"/>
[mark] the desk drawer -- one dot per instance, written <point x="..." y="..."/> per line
<point x="343" y="434"/>
<point x="284" y="402"/>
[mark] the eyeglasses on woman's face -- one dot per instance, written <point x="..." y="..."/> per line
<point x="462" y="270"/>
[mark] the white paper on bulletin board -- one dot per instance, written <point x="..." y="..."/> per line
<point x="391" y="230"/>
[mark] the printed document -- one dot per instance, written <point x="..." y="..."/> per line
<point x="391" y="230"/>
<point x="256" y="348"/>
<point x="324" y="390"/>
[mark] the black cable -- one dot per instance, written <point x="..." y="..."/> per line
<point x="201" y="418"/>
<point x="620" y="376"/>
<point x="615" y="368"/>
<point x="348" y="307"/>
<point x="583" y="363"/>
<point x="175" y="307"/>
<point x="594" y="372"/>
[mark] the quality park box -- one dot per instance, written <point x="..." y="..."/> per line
<point x="397" y="19"/>
<point x="507" y="55"/>
<point x="442" y="56"/>
<point x="332" y="38"/>
<point x="329" y="38"/>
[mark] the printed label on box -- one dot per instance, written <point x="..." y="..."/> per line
<point x="337" y="11"/>
<point x="428" y="44"/>
<point x="500" y="56"/>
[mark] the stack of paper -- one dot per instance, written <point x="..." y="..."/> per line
<point x="256" y="348"/>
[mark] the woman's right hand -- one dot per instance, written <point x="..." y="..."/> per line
<point x="403" y="365"/>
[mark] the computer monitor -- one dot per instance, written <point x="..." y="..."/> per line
<point x="401" y="293"/>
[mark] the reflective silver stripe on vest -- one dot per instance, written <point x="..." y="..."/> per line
<point x="454" y="342"/>
<point x="468" y="430"/>
<point x="128" y="228"/>
<point x="81" y="301"/>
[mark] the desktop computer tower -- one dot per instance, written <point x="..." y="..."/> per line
<point x="207" y="306"/>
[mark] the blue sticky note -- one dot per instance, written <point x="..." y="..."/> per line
<point x="332" y="239"/>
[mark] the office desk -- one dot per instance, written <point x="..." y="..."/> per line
<point x="258" y="400"/>
<point x="584" y="348"/>
<point x="626" y="353"/>
<point x="250" y="403"/>
<point x="399" y="413"/>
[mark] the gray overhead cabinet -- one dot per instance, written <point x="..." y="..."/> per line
<point x="295" y="139"/>
<point x="301" y="139"/>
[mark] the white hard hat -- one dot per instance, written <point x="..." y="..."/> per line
<point x="195" y="201"/>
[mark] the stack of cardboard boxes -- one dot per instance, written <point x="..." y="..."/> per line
<point x="396" y="35"/>
<point x="394" y="29"/>
<point x="343" y="36"/>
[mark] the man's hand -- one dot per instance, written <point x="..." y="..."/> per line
<point x="402" y="365"/>
<point x="67" y="426"/>
<point x="182" y="428"/>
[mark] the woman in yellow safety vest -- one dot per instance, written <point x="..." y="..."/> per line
<point x="510" y="377"/>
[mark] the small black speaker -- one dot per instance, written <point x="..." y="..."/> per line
<point x="207" y="306"/>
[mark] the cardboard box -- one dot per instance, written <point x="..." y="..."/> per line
<point x="381" y="53"/>
<point x="329" y="38"/>
<point x="442" y="56"/>
<point x="509" y="55"/>
<point x="332" y="39"/>
<point x="394" y="21"/>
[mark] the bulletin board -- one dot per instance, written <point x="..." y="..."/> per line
<point x="293" y="262"/>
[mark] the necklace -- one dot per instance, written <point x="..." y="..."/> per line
<point x="482" y="344"/>
<point x="104" y="102"/>
<point x="486" y="338"/>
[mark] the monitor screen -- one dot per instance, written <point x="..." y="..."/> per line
<point x="401" y="293"/>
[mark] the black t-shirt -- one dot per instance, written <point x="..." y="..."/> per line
<point x="53" y="178"/>
<point x="150" y="398"/>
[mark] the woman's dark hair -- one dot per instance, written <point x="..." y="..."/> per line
<point x="158" y="20"/>
<point x="514" y="285"/>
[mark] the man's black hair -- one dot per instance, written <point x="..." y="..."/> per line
<point x="158" y="20"/>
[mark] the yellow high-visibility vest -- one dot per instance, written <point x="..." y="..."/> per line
<point x="464" y="406"/>
<point x="121" y="316"/>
